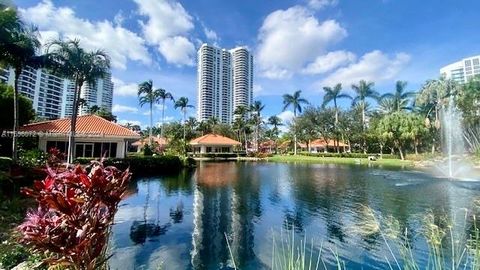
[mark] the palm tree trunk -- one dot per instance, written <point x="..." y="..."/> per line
<point x="184" y="142"/>
<point x="294" y="133"/>
<point x="73" y="122"/>
<point x="15" y="116"/>
<point x="151" y="124"/>
<point x="163" y="118"/>
<point x="364" y="145"/>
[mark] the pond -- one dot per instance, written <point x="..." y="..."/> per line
<point x="182" y="222"/>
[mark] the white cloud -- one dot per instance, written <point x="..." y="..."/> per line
<point x="319" y="4"/>
<point x="166" y="26"/>
<point x="288" y="39"/>
<point x="210" y="34"/>
<point x="373" y="66"/>
<point x="120" y="43"/>
<point x="177" y="50"/>
<point x="286" y="117"/>
<point x="117" y="108"/>
<point x="160" y="106"/>
<point x="124" y="89"/>
<point x="329" y="61"/>
<point x="133" y="122"/>
<point x="257" y="89"/>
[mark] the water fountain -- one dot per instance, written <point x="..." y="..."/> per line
<point x="455" y="166"/>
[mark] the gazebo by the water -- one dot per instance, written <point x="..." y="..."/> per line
<point x="213" y="143"/>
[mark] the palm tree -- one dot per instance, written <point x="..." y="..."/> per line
<point x="94" y="109"/>
<point x="257" y="108"/>
<point x="182" y="103"/>
<point x="164" y="95"/>
<point x="400" y="98"/>
<point x="147" y="95"/>
<point x="18" y="48"/>
<point x="275" y="121"/>
<point x="364" y="90"/>
<point x="81" y="67"/>
<point x="333" y="94"/>
<point x="241" y="114"/>
<point x="296" y="102"/>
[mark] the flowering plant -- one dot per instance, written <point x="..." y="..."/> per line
<point x="74" y="214"/>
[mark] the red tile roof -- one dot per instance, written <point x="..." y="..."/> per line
<point x="86" y="125"/>
<point x="321" y="143"/>
<point x="214" y="139"/>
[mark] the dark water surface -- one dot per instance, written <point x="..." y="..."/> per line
<point x="181" y="222"/>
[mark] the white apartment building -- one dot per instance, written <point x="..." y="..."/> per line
<point x="52" y="96"/>
<point x="42" y="88"/>
<point x="99" y="94"/>
<point x="225" y="81"/>
<point x="463" y="70"/>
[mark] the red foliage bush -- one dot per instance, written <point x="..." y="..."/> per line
<point x="74" y="215"/>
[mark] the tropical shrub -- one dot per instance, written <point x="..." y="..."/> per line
<point x="347" y="155"/>
<point x="32" y="158"/>
<point x="74" y="214"/>
<point x="147" y="151"/>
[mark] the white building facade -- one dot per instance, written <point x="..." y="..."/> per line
<point x="225" y="81"/>
<point x="42" y="88"/>
<point x="462" y="71"/>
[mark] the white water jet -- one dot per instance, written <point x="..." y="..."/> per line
<point x="455" y="166"/>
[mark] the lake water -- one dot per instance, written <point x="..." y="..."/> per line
<point x="182" y="222"/>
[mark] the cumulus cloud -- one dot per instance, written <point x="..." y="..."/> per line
<point x="120" y="43"/>
<point x="210" y="34"/>
<point x="257" y="89"/>
<point x="132" y="122"/>
<point x="166" y="26"/>
<point x="373" y="66"/>
<point x="288" y="39"/>
<point x="329" y="62"/>
<point x="286" y="117"/>
<point x="124" y="89"/>
<point x="319" y="4"/>
<point x="117" y="108"/>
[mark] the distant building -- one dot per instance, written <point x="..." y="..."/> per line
<point x="42" y="88"/>
<point x="225" y="81"/>
<point x="99" y="94"/>
<point x="463" y="70"/>
<point x="52" y="96"/>
<point x="213" y="143"/>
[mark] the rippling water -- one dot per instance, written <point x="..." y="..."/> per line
<point x="181" y="222"/>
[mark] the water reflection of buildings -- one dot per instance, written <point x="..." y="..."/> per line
<point x="223" y="207"/>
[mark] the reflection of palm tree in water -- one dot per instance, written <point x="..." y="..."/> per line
<point x="141" y="230"/>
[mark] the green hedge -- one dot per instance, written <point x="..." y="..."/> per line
<point x="217" y="155"/>
<point x="347" y="155"/>
<point x="143" y="165"/>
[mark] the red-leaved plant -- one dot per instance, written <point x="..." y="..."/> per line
<point x="75" y="211"/>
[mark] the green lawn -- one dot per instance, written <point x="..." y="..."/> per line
<point x="338" y="160"/>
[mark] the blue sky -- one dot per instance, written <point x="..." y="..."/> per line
<point x="304" y="44"/>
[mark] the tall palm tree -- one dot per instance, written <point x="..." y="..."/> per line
<point x="295" y="101"/>
<point x="256" y="108"/>
<point x="333" y="94"/>
<point x="182" y="103"/>
<point x="80" y="66"/>
<point x="275" y="121"/>
<point x="400" y="97"/>
<point x="148" y="95"/>
<point x="364" y="90"/>
<point x="164" y="95"/>
<point x="241" y="123"/>
<point x="18" y="47"/>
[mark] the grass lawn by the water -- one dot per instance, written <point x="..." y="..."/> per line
<point x="340" y="160"/>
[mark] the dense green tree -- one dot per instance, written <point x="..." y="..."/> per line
<point x="6" y="103"/>
<point x="80" y="66"/>
<point x="18" y="49"/>
<point x="240" y="124"/>
<point x="102" y="112"/>
<point x="256" y="109"/>
<point x="295" y="101"/>
<point x="400" y="128"/>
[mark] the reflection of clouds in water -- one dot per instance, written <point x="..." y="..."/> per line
<point x="124" y="258"/>
<point x="168" y="258"/>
